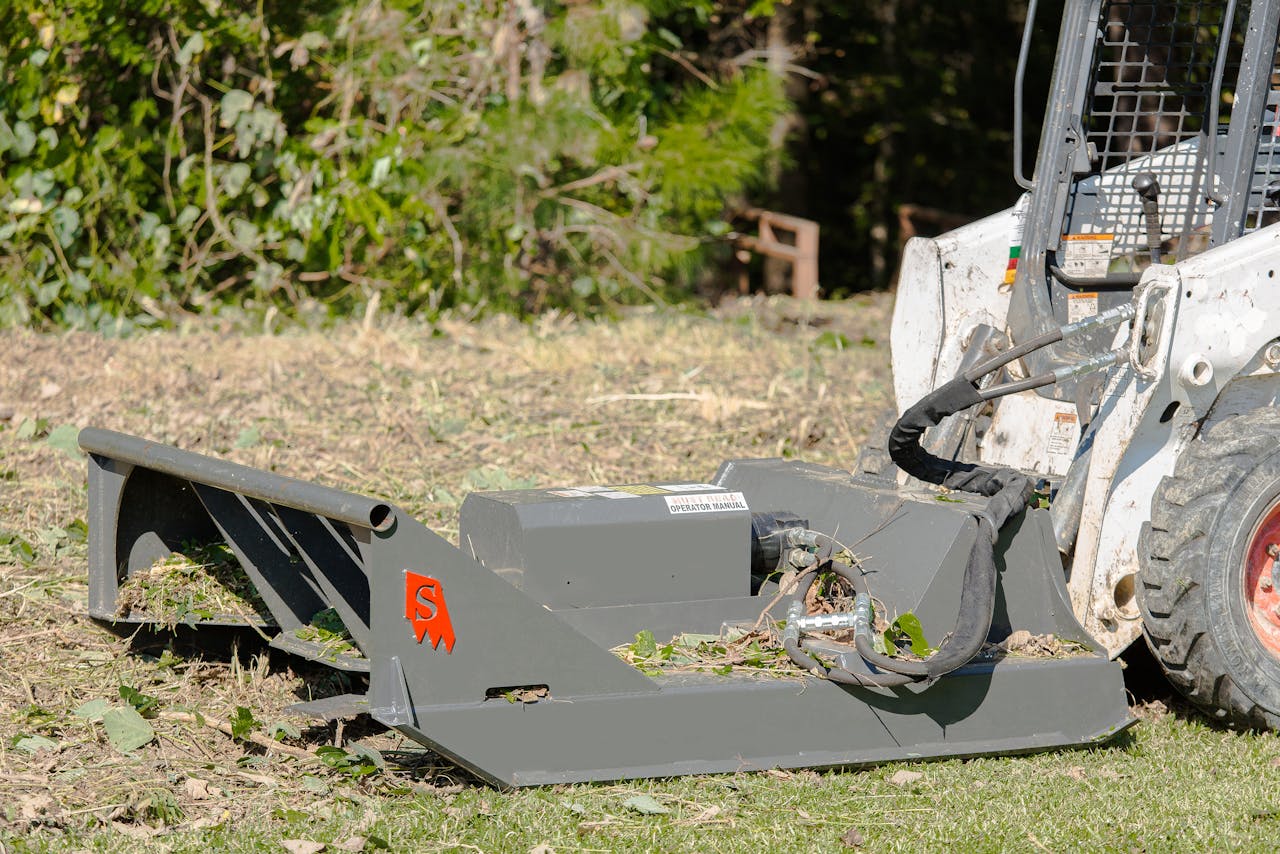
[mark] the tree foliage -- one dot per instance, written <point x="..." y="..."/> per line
<point x="911" y="103"/>
<point x="164" y="156"/>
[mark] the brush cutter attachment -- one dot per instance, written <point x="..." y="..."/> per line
<point x="516" y="656"/>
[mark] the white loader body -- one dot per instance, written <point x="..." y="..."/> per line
<point x="1218" y="312"/>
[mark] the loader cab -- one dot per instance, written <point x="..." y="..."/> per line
<point x="1159" y="141"/>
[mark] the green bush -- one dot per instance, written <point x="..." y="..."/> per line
<point x="165" y="156"/>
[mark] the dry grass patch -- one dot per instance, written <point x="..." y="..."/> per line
<point x="202" y="582"/>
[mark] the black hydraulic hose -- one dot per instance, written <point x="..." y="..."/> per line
<point x="1095" y="363"/>
<point x="796" y="652"/>
<point x="973" y="622"/>
<point x="805" y="661"/>
<point x="1038" y="381"/>
<point x="1119" y="314"/>
<point x="1009" y="491"/>
<point x="998" y="361"/>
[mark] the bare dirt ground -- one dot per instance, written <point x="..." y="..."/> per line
<point x="419" y="415"/>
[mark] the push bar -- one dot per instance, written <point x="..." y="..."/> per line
<point x="322" y="500"/>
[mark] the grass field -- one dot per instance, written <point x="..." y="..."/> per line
<point x="421" y="416"/>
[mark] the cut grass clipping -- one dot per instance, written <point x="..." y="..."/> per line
<point x="758" y="650"/>
<point x="328" y="630"/>
<point x="203" y="581"/>
<point x="753" y="650"/>
<point x="207" y="582"/>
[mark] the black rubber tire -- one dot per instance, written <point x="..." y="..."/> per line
<point x="1192" y="566"/>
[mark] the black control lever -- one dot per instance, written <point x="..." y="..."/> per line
<point x="1272" y="192"/>
<point x="1148" y="189"/>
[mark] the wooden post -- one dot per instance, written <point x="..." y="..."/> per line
<point x="801" y="252"/>
<point x="804" y="270"/>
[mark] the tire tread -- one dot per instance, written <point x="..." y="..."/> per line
<point x="1172" y="549"/>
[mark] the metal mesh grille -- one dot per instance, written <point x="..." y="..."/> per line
<point x="1152" y="80"/>
<point x="1150" y="92"/>
<point x="1263" y="211"/>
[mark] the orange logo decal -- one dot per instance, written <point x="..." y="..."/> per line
<point x="424" y="607"/>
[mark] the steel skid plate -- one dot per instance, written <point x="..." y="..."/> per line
<point x="450" y="642"/>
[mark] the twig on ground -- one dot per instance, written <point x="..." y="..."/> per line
<point x="225" y="728"/>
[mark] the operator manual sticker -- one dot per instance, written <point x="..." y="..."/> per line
<point x="1087" y="255"/>
<point x="713" y="503"/>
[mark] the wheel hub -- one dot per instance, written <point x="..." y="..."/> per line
<point x="1262" y="579"/>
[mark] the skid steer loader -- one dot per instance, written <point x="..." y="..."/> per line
<point x="1090" y="377"/>
<point x="1156" y="182"/>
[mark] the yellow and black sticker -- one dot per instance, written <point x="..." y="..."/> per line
<point x="1081" y="306"/>
<point x="641" y="489"/>
<point x="1087" y="255"/>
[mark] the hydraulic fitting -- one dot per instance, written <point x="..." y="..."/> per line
<point x="1109" y="317"/>
<point x="791" y="631"/>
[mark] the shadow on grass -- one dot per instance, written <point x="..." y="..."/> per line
<point x="1151" y="694"/>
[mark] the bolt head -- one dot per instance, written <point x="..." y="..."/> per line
<point x="1272" y="354"/>
<point x="801" y="559"/>
<point x="1265" y="582"/>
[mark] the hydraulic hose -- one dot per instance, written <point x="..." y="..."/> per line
<point x="973" y="623"/>
<point x="1009" y="491"/>
<point x="1119" y="314"/>
<point x="795" y="650"/>
<point x="1029" y="383"/>
<point x="1056" y="375"/>
<point x="998" y="361"/>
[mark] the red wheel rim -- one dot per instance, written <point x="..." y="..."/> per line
<point x="1261" y="586"/>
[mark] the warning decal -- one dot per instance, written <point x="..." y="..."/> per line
<point x="714" y="503"/>
<point x="1081" y="306"/>
<point x="1062" y="435"/>
<point x="1086" y="255"/>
